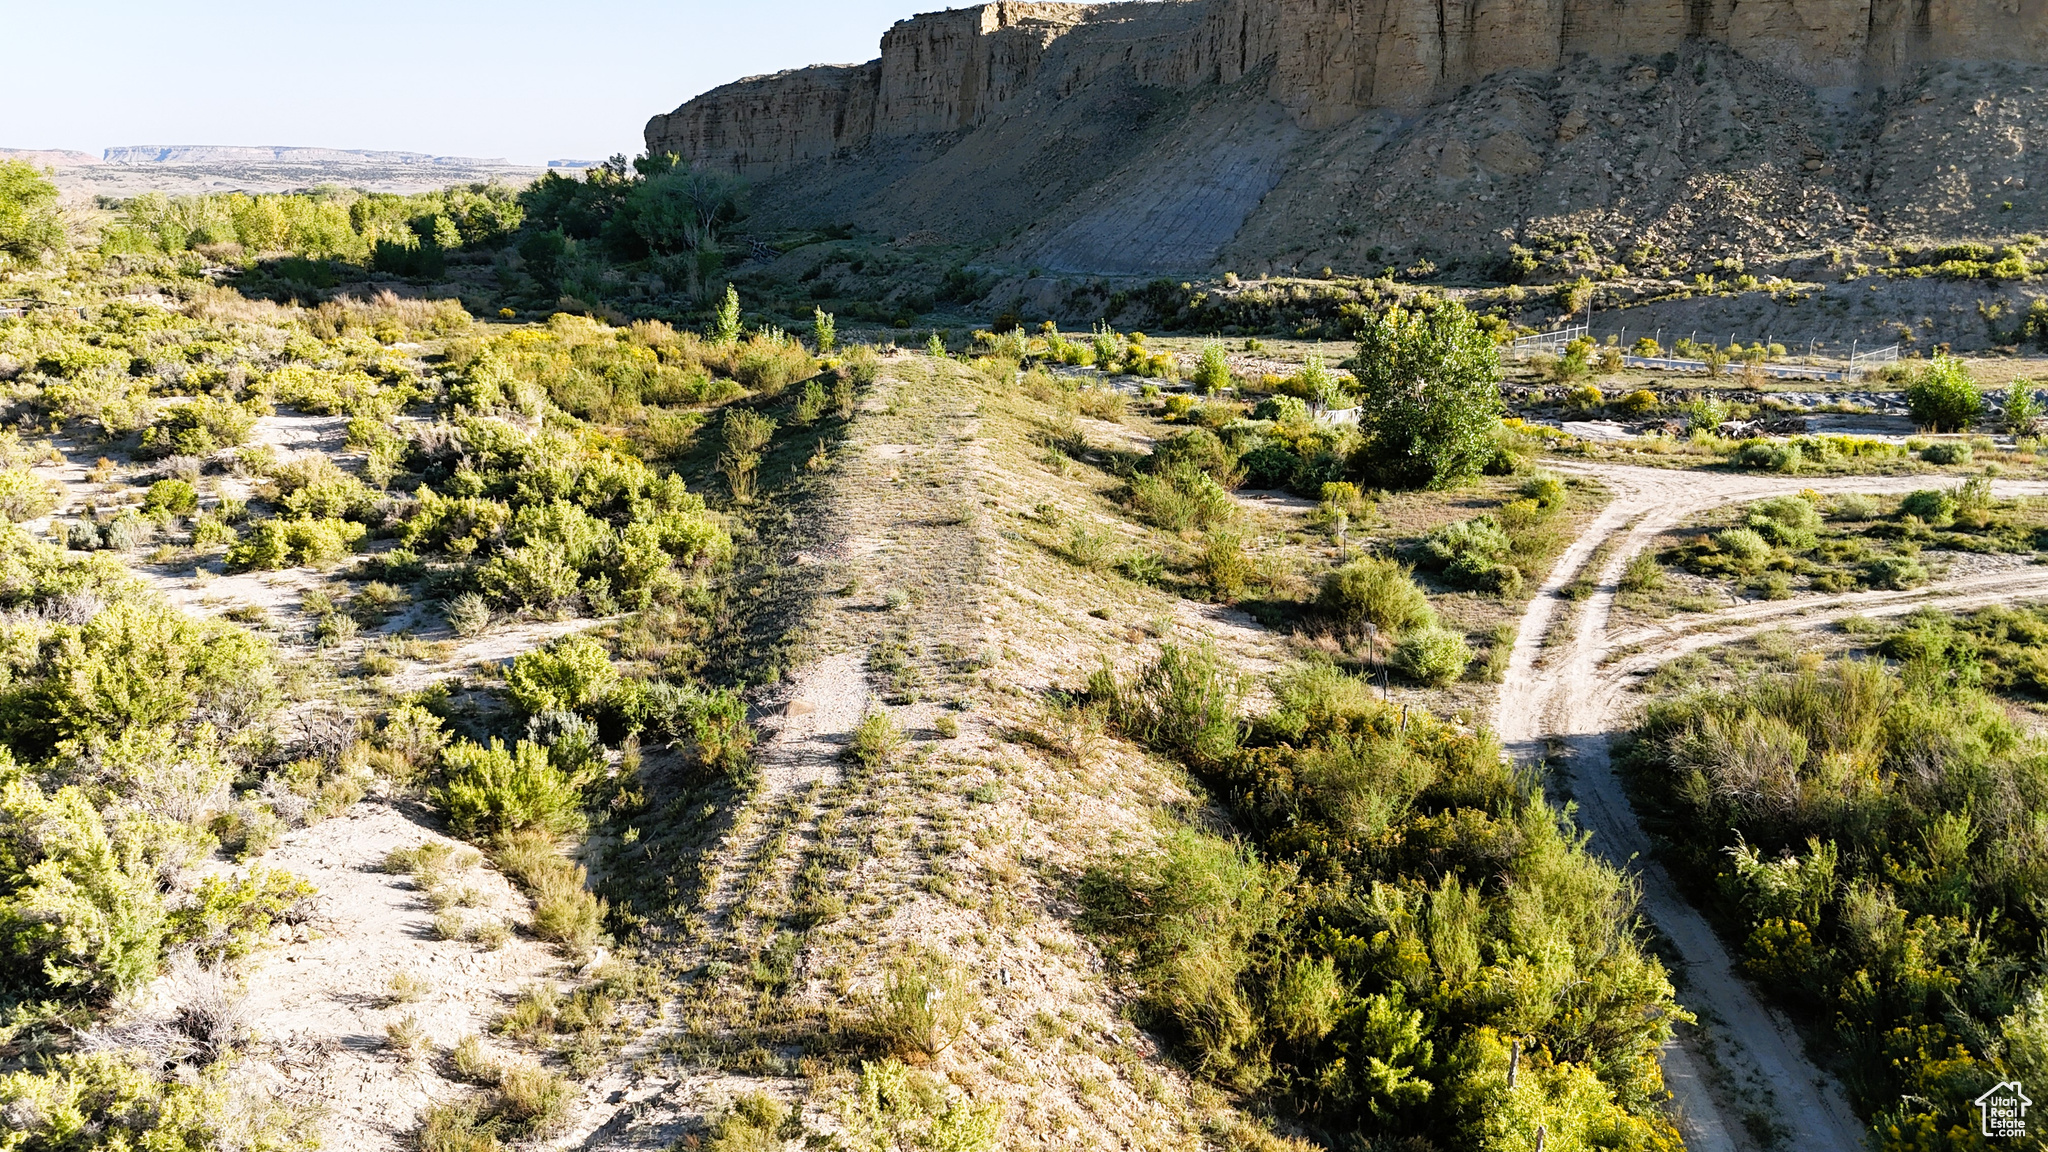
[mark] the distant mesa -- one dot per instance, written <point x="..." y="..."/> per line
<point x="242" y="154"/>
<point x="49" y="157"/>
<point x="574" y="163"/>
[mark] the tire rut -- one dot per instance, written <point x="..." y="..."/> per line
<point x="1576" y="693"/>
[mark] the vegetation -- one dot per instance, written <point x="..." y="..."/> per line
<point x="1942" y="397"/>
<point x="1414" y="946"/>
<point x="1862" y="828"/>
<point x="1429" y="396"/>
<point x="1788" y="542"/>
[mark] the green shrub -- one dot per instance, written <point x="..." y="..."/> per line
<point x="104" y="1100"/>
<point x="1770" y="456"/>
<point x="1185" y="703"/>
<point x="1641" y="402"/>
<point x="1432" y="656"/>
<point x="1282" y="410"/>
<point x="468" y="614"/>
<point x="1642" y="573"/>
<point x="174" y="496"/>
<point x="1947" y="452"/>
<point x="276" y="544"/>
<point x="1196" y="914"/>
<point x="1212" y="374"/>
<point x="770" y="363"/>
<point x="1942" y="397"/>
<point x="1476" y="554"/>
<point x="1895" y="572"/>
<point x="1181" y="497"/>
<point x="491" y="791"/>
<point x="25" y="495"/>
<point x="1935" y="507"/>
<point x="1855" y="507"/>
<point x="1744" y="544"/>
<point x="923" y="1007"/>
<point x="894" y="1108"/>
<point x="1785" y="521"/>
<point x="1377" y="592"/>
<point x="877" y="739"/>
<point x="756" y="1122"/>
<point x="200" y="427"/>
<point x="572" y="674"/>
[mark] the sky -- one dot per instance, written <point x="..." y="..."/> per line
<point x="512" y="79"/>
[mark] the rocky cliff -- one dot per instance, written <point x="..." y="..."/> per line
<point x="1147" y="137"/>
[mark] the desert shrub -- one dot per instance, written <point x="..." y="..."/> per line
<point x="276" y="544"/>
<point x="770" y="363"/>
<point x="533" y="1100"/>
<point x="1895" y="572"/>
<point x="104" y="1100"/>
<point x="1197" y="914"/>
<point x="877" y="739"/>
<point x="1224" y="565"/>
<point x="1855" y="507"/>
<point x="1476" y="554"/>
<point x="571" y="674"/>
<point x="1942" y="397"/>
<point x="1185" y="703"/>
<point x="1642" y="573"/>
<point x="1935" y="507"/>
<point x="200" y="427"/>
<point x="491" y="791"/>
<point x="1788" y="522"/>
<point x="27" y="496"/>
<point x="923" y="1006"/>
<point x="1180" y="497"/>
<point x="1281" y="410"/>
<point x="894" y="1108"/>
<point x="1947" y="452"/>
<point x="462" y="1126"/>
<point x="744" y="435"/>
<point x="1769" y="456"/>
<point x="1212" y="373"/>
<point x="468" y="614"/>
<point x="1429" y="396"/>
<point x="1432" y="656"/>
<point x="226" y="918"/>
<point x="1745" y="545"/>
<point x="1641" y="402"/>
<point x="174" y="496"/>
<point x="756" y="1122"/>
<point x="1377" y="592"/>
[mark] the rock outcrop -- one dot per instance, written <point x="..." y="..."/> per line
<point x="1148" y="138"/>
<point x="1331" y="59"/>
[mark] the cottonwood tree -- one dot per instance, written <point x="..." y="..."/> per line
<point x="1429" y="396"/>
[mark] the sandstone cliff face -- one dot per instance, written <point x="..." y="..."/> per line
<point x="1331" y="59"/>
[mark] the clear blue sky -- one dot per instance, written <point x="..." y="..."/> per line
<point x="526" y="81"/>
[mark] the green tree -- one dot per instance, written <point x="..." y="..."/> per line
<point x="30" y="224"/>
<point x="1429" y="394"/>
<point x="682" y="209"/>
<point x="725" y="322"/>
<point x="1942" y="397"/>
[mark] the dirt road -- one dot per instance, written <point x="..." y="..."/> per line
<point x="1577" y="694"/>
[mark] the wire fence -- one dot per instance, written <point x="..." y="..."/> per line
<point x="1552" y="342"/>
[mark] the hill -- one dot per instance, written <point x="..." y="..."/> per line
<point x="1263" y="136"/>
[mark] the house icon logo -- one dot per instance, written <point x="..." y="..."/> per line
<point x="2003" y="1110"/>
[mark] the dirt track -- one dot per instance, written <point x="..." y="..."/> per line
<point x="1577" y="694"/>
